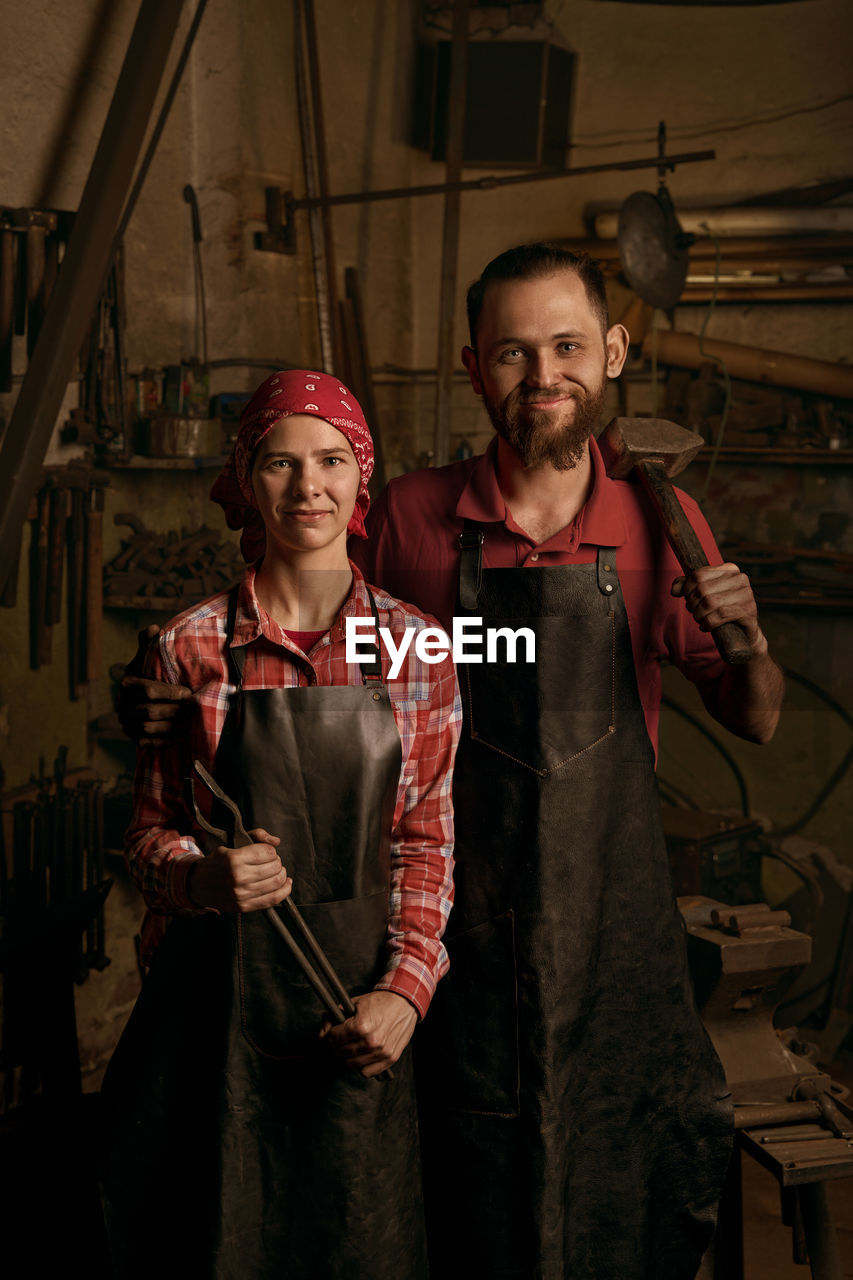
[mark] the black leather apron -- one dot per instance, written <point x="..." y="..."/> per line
<point x="577" y="1122"/>
<point x="235" y="1145"/>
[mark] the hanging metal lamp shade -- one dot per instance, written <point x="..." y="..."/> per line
<point x="653" y="247"/>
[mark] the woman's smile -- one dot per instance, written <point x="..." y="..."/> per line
<point x="309" y="517"/>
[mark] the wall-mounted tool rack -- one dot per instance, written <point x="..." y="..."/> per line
<point x="32" y="242"/>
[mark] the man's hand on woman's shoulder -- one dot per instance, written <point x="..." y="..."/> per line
<point x="149" y="710"/>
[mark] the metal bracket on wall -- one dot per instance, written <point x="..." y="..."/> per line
<point x="279" y="236"/>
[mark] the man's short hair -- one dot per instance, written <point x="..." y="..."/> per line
<point x="530" y="262"/>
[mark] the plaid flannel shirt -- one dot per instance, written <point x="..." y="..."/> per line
<point x="163" y="839"/>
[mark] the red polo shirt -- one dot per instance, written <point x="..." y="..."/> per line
<point x="412" y="551"/>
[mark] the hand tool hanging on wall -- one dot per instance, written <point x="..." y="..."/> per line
<point x="113" y="304"/>
<point x="76" y="595"/>
<point x="58" y="507"/>
<point x="30" y="240"/>
<point x="66" y="521"/>
<point x="9" y="593"/>
<point x="102" y="418"/>
<point x="40" y="634"/>
<point x="198" y="275"/>
<point x="35" y="283"/>
<point x="657" y="450"/>
<point x="94" y="528"/>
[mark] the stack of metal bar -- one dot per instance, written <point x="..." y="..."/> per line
<point x="169" y="570"/>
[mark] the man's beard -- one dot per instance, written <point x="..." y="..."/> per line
<point x="557" y="437"/>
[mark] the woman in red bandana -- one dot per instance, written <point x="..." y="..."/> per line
<point x="244" y="1135"/>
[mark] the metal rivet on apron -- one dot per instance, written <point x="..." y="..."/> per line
<point x="608" y="586"/>
<point x="377" y="696"/>
<point x="607" y="568"/>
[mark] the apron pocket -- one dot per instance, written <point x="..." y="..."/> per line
<point x="543" y="715"/>
<point x="280" y="1012"/>
<point x="469" y="1042"/>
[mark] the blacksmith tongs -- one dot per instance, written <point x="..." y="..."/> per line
<point x="317" y="969"/>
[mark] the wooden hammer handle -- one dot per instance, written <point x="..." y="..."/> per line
<point x="730" y="638"/>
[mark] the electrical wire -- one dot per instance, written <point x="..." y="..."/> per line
<point x="828" y="787"/>
<point x="717" y="745"/>
<point x="629" y="137"/>
<point x="841" y="768"/>
<point x="670" y="794"/>
<point x="809" y="879"/>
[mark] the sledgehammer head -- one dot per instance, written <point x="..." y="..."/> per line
<point x="626" y="441"/>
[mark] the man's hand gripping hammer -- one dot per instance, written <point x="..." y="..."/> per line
<point x="657" y="450"/>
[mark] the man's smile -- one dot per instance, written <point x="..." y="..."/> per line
<point x="546" y="402"/>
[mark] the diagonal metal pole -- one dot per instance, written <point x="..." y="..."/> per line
<point x="84" y="267"/>
<point x="450" y="239"/>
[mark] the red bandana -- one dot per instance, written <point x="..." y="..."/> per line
<point x="282" y="395"/>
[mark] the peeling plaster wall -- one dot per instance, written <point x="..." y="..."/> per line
<point x="233" y="130"/>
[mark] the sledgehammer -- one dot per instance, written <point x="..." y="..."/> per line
<point x="657" y="450"/>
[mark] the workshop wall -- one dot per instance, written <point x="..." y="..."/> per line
<point x="766" y="86"/>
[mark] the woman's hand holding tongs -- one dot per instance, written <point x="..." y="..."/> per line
<point x="376" y="1034"/>
<point x="248" y="879"/>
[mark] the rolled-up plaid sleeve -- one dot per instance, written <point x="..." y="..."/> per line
<point x="422" y="840"/>
<point x="158" y="849"/>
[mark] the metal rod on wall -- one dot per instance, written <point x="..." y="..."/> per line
<point x="323" y="179"/>
<point x="450" y="237"/>
<point x="84" y="267"/>
<point x="490" y="183"/>
<point x="315" y="187"/>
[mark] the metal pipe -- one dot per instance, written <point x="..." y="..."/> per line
<point x="757" y="1115"/>
<point x="762" y="220"/>
<point x="309" y="164"/>
<point x="86" y="262"/>
<point x="489" y="183"/>
<point x="319" y="138"/>
<point x="755" y="364"/>
<point x="450" y="233"/>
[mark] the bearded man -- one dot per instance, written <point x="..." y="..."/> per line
<point x="576" y="1124"/>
